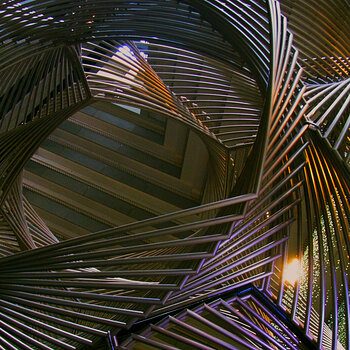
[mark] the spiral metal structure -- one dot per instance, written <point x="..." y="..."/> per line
<point x="162" y="162"/>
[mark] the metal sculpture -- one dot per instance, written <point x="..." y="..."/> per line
<point x="275" y="124"/>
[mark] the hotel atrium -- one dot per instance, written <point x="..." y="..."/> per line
<point x="174" y="174"/>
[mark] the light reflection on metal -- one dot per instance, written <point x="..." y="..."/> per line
<point x="292" y="272"/>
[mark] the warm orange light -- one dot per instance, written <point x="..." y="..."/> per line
<point x="292" y="271"/>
